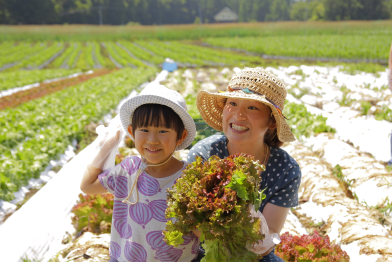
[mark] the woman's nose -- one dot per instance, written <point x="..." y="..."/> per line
<point x="239" y="115"/>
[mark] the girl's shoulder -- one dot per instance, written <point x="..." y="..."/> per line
<point x="131" y="164"/>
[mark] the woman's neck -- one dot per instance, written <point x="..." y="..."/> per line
<point x="258" y="151"/>
<point x="165" y="170"/>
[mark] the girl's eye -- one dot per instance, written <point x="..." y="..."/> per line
<point x="253" y="108"/>
<point x="232" y="103"/>
<point x="143" y="130"/>
<point x="162" y="131"/>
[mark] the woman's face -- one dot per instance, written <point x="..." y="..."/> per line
<point x="245" y="122"/>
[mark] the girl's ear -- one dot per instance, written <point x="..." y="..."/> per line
<point x="130" y="130"/>
<point x="184" y="135"/>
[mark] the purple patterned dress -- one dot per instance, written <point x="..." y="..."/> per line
<point x="137" y="229"/>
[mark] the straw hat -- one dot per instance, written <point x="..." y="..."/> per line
<point x="159" y="94"/>
<point x="250" y="83"/>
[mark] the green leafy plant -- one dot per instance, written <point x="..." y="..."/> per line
<point x="304" y="123"/>
<point x="93" y="213"/>
<point x="365" y="106"/>
<point x="216" y="198"/>
<point x="309" y="248"/>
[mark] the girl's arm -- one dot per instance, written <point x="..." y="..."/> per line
<point x="90" y="183"/>
<point x="390" y="58"/>
<point x="275" y="217"/>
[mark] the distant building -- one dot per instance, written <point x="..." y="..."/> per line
<point x="226" y="15"/>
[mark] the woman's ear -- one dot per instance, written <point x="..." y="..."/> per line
<point x="183" y="136"/>
<point x="130" y="130"/>
<point x="272" y="123"/>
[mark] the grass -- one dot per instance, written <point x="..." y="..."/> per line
<point x="191" y="31"/>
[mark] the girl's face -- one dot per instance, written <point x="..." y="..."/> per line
<point x="245" y="122"/>
<point x="155" y="144"/>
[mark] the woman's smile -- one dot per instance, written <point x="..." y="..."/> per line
<point x="238" y="127"/>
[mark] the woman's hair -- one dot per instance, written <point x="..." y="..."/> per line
<point x="157" y="115"/>
<point x="271" y="138"/>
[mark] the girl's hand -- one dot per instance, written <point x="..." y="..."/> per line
<point x="106" y="146"/>
<point x="197" y="233"/>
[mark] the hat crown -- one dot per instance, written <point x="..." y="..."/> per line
<point x="261" y="82"/>
<point x="158" y="90"/>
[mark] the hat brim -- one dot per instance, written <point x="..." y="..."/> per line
<point x="210" y="106"/>
<point x="129" y="107"/>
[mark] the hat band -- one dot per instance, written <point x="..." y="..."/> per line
<point x="247" y="91"/>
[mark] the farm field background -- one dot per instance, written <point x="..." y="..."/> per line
<point x="58" y="82"/>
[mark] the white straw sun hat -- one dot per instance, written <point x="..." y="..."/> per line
<point x="250" y="84"/>
<point x="159" y="94"/>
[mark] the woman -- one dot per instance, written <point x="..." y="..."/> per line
<point x="250" y="115"/>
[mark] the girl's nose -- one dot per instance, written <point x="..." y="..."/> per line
<point x="153" y="139"/>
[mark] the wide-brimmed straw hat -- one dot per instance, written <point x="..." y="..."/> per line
<point x="252" y="84"/>
<point x="159" y="94"/>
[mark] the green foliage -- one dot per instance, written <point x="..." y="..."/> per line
<point x="93" y="213"/>
<point x="384" y="114"/>
<point x="12" y="79"/>
<point x="309" y="248"/>
<point x="304" y="123"/>
<point x="365" y="107"/>
<point x="351" y="46"/>
<point x="40" y="130"/>
<point x="214" y="197"/>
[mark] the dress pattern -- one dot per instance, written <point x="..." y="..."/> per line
<point x="136" y="233"/>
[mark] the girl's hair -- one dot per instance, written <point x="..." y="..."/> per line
<point x="157" y="115"/>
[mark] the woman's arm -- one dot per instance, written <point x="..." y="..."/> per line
<point x="275" y="217"/>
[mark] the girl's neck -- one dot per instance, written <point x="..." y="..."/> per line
<point x="165" y="170"/>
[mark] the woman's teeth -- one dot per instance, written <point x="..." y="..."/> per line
<point x="239" y="128"/>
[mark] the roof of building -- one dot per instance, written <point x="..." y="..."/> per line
<point x="226" y="14"/>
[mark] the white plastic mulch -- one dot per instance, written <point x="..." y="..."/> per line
<point x="36" y="230"/>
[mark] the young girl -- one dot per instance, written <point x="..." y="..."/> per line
<point x="159" y="124"/>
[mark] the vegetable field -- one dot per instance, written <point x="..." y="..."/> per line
<point x="57" y="84"/>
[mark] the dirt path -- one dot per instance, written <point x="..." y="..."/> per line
<point x="44" y="89"/>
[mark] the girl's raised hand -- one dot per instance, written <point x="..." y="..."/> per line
<point x="106" y="145"/>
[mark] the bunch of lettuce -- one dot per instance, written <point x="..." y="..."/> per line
<point x="215" y="197"/>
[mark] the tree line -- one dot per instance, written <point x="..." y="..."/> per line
<point x="150" y="12"/>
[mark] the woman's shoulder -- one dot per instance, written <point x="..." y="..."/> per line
<point x="207" y="146"/>
<point x="279" y="157"/>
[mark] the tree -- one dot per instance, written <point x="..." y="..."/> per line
<point x="30" y="12"/>
<point x="279" y="11"/>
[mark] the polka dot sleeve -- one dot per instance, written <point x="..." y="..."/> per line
<point x="213" y="145"/>
<point x="287" y="195"/>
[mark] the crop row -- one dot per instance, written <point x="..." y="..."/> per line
<point x="123" y="53"/>
<point x="12" y="79"/>
<point x="45" y="88"/>
<point x="311" y="46"/>
<point x="38" y="131"/>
